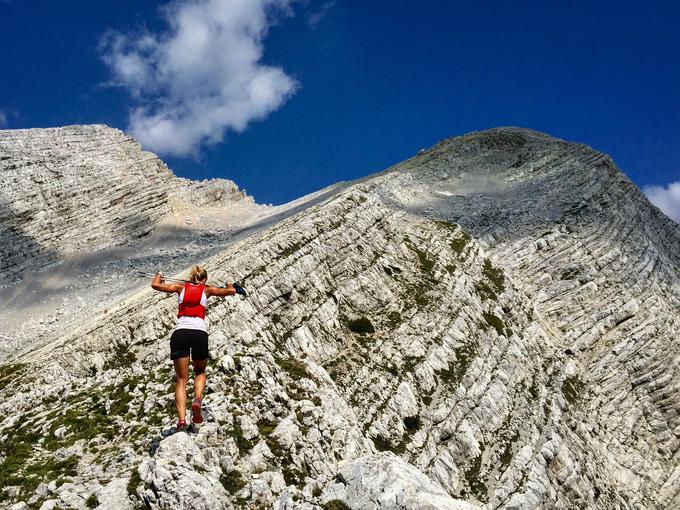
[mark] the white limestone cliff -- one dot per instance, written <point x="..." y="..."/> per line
<point x="492" y="323"/>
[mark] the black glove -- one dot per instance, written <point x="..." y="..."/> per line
<point x="239" y="289"/>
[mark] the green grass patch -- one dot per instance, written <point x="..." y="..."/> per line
<point x="122" y="357"/>
<point x="8" y="373"/>
<point x="506" y="454"/>
<point x="233" y="481"/>
<point x="294" y="475"/>
<point x="569" y="274"/>
<point x="426" y="263"/>
<point x="133" y="483"/>
<point x="421" y="298"/>
<point x="87" y="418"/>
<point x="457" y="368"/>
<point x="335" y="504"/>
<point x="385" y="445"/>
<point x="448" y="226"/>
<point x="41" y="471"/>
<point x="572" y="389"/>
<point x="410" y="363"/>
<point x="494" y="274"/>
<point x="92" y="501"/>
<point x="121" y="396"/>
<point x="266" y="427"/>
<point x="459" y="243"/>
<point x="412" y="423"/>
<point x="493" y="282"/>
<point x="495" y="322"/>
<point x="418" y="291"/>
<point x="17" y="450"/>
<point x="84" y="423"/>
<point x="474" y="479"/>
<point x="276" y="449"/>
<point x="533" y="388"/>
<point x="244" y="445"/>
<point x="295" y="368"/>
<point x="289" y="250"/>
<point x="393" y="319"/>
<point x="382" y="444"/>
<point x="486" y="291"/>
<point x="362" y="326"/>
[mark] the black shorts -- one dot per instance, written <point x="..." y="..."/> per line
<point x="184" y="341"/>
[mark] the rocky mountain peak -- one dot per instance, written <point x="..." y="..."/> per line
<point x="79" y="189"/>
<point x="489" y="324"/>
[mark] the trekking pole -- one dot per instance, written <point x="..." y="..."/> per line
<point x="174" y="280"/>
<point x="164" y="278"/>
<point x="168" y="278"/>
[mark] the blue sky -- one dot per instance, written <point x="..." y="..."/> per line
<point x="337" y="90"/>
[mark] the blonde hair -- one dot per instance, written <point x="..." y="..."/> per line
<point x="198" y="274"/>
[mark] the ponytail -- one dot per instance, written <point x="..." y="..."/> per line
<point x="198" y="274"/>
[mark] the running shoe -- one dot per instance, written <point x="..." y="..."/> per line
<point x="181" y="426"/>
<point x="196" y="416"/>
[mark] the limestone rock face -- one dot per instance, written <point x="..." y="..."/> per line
<point x="601" y="266"/>
<point x="84" y="188"/>
<point x="386" y="482"/>
<point x="492" y="323"/>
<point x="179" y="476"/>
<point x="83" y="209"/>
<point x="70" y="189"/>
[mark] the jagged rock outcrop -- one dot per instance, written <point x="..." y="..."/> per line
<point x="386" y="481"/>
<point x="181" y="477"/>
<point x="86" y="203"/>
<point x="83" y="188"/>
<point x="525" y="358"/>
<point x="601" y="265"/>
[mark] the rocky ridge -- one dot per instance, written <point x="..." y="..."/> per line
<point x="83" y="210"/>
<point x="85" y="188"/>
<point x="490" y="324"/>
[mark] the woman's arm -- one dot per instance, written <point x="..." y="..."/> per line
<point x="157" y="284"/>
<point x="229" y="290"/>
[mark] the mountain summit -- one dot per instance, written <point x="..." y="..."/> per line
<point x="492" y="323"/>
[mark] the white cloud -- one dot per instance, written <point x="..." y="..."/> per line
<point x="314" y="18"/>
<point x="666" y="198"/>
<point x="201" y="77"/>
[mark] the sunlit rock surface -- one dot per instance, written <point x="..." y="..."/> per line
<point x="492" y="323"/>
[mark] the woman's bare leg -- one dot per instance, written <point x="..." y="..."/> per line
<point x="181" y="379"/>
<point x="199" y="377"/>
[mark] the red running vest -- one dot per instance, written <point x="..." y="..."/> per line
<point x="191" y="302"/>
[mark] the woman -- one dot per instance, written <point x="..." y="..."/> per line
<point x="191" y="337"/>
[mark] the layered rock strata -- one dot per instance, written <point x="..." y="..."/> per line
<point x="79" y="189"/>
<point x="490" y="324"/>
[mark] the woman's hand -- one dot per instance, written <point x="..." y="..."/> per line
<point x="160" y="285"/>
<point x="239" y="289"/>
